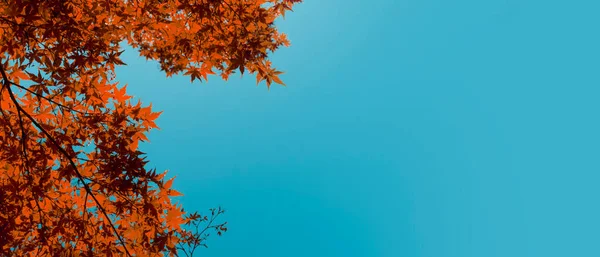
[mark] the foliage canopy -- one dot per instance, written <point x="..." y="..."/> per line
<point x="72" y="180"/>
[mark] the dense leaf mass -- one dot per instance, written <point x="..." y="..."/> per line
<point x="72" y="180"/>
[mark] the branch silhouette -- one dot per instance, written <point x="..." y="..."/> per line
<point x="88" y="190"/>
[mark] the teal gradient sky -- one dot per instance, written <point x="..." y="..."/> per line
<point x="408" y="128"/>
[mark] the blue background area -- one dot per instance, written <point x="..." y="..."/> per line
<point x="408" y="128"/>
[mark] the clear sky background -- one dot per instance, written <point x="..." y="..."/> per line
<point x="408" y="128"/>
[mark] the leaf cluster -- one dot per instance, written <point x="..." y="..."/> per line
<point x="73" y="181"/>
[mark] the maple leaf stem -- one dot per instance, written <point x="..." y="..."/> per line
<point x="7" y="84"/>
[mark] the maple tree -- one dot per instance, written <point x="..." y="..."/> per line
<point x="72" y="179"/>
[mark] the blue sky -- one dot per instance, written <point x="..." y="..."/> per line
<point x="408" y="128"/>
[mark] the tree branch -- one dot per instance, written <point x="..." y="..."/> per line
<point x="7" y="84"/>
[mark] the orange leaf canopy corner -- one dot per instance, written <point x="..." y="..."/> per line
<point x="73" y="181"/>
